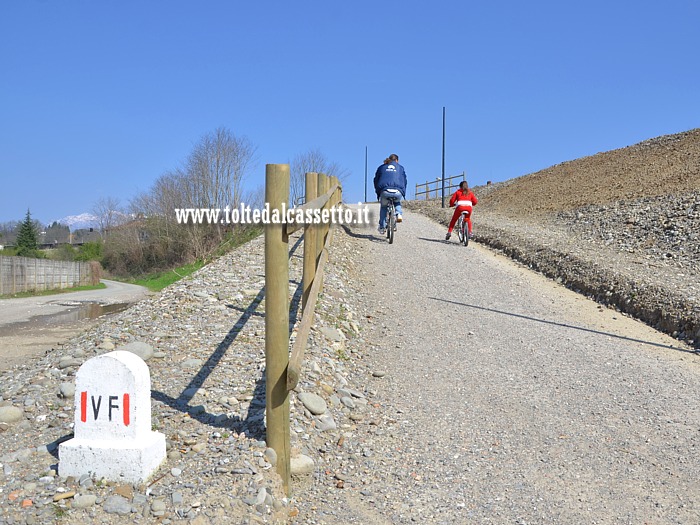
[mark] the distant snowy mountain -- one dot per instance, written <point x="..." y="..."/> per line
<point x="77" y="222"/>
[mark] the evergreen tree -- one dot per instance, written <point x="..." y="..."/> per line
<point x="27" y="243"/>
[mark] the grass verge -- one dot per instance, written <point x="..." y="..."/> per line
<point x="156" y="281"/>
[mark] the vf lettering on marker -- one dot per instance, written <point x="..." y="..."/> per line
<point x="95" y="404"/>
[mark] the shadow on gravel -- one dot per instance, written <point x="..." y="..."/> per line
<point x="367" y="236"/>
<point x="295" y="304"/>
<point x="182" y="402"/>
<point x="561" y="324"/>
<point x="442" y="241"/>
<point x="52" y="448"/>
<point x="254" y="422"/>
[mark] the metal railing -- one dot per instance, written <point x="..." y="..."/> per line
<point x="433" y="189"/>
<point x="282" y="370"/>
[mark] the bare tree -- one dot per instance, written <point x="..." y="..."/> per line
<point x="109" y="214"/>
<point x="311" y="161"/>
<point x="256" y="198"/>
<point x="8" y="232"/>
<point x="217" y="168"/>
<point x="169" y="191"/>
<point x="155" y="209"/>
<point x="212" y="176"/>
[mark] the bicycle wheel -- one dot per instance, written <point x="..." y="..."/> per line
<point x="460" y="228"/>
<point x="465" y="233"/>
<point x="391" y="224"/>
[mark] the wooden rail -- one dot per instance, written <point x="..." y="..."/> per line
<point x="297" y="355"/>
<point x="282" y="371"/>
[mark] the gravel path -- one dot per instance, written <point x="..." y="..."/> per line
<point x="641" y="263"/>
<point x="513" y="400"/>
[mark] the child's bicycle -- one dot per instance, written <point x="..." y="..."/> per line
<point x="463" y="228"/>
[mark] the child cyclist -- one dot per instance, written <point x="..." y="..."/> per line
<point x="463" y="199"/>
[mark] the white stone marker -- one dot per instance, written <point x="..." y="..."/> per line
<point x="113" y="436"/>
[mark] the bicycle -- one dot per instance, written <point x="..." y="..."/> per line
<point x="390" y="220"/>
<point x="463" y="228"/>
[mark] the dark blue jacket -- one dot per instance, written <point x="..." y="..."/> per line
<point x="390" y="177"/>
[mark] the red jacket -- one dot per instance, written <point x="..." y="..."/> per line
<point x="463" y="198"/>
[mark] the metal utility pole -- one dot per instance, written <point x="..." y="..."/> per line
<point x="443" y="156"/>
<point x="365" y="173"/>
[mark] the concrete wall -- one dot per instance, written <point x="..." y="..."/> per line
<point x="23" y="274"/>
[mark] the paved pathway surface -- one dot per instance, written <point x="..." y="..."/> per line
<point x="32" y="325"/>
<point x="23" y="309"/>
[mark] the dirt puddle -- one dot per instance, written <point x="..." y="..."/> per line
<point x="42" y="333"/>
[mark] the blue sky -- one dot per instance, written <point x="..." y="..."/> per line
<point x="99" y="98"/>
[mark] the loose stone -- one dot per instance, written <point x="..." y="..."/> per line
<point x="117" y="505"/>
<point x="301" y="464"/>
<point x="83" y="501"/>
<point x="10" y="414"/>
<point x="313" y="402"/>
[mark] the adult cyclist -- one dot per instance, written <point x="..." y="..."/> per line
<point x="389" y="183"/>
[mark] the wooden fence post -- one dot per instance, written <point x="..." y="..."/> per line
<point x="277" y="322"/>
<point x="336" y="193"/>
<point x="332" y="201"/>
<point x="324" y="186"/>
<point x="310" y="233"/>
<point x="325" y="224"/>
<point x="320" y="233"/>
<point x="335" y="200"/>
